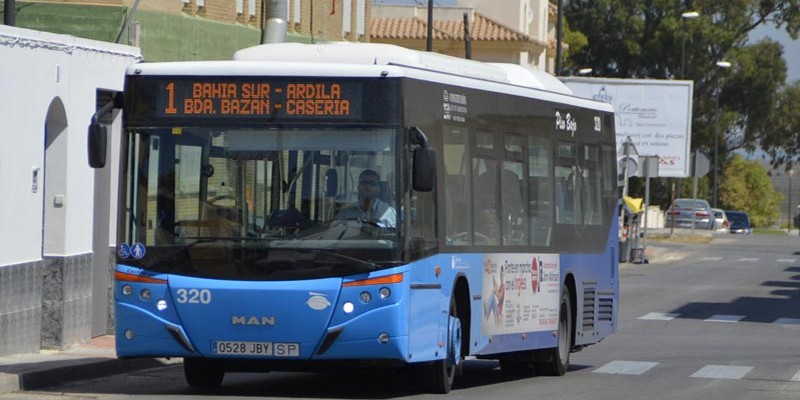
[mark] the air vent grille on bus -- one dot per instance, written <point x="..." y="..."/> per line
<point x="605" y="309"/>
<point x="589" y="296"/>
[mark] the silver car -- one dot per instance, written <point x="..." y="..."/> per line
<point x="683" y="211"/>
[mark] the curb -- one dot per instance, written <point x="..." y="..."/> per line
<point x="9" y="383"/>
<point x="73" y="370"/>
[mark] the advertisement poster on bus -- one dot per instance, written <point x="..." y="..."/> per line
<point x="655" y="113"/>
<point x="520" y="293"/>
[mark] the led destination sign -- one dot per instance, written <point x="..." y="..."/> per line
<point x="253" y="98"/>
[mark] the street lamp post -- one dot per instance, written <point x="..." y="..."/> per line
<point x="789" y="218"/>
<point x="721" y="65"/>
<point x="684" y="17"/>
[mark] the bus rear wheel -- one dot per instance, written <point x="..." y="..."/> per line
<point x="439" y="375"/>
<point x="555" y="361"/>
<point x="202" y="372"/>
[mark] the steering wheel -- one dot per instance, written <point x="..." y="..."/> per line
<point x="221" y="197"/>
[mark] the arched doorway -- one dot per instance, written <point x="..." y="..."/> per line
<point x="55" y="180"/>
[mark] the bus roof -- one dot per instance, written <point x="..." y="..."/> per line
<point x="387" y="54"/>
<point x="375" y="59"/>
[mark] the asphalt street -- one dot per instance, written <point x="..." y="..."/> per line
<point x="701" y="321"/>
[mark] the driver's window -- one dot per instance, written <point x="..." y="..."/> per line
<point x="188" y="160"/>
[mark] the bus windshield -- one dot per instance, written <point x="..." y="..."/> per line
<point x="267" y="204"/>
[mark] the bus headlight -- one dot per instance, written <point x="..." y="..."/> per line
<point x="365" y="297"/>
<point x="384" y="293"/>
<point x="144" y="294"/>
<point x="348" y="307"/>
<point x="127" y="290"/>
<point x="161" y="305"/>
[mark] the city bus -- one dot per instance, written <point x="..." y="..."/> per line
<point x="249" y="234"/>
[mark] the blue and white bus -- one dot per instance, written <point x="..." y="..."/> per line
<point x="304" y="206"/>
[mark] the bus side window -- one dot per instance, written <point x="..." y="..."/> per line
<point x="592" y="200"/>
<point x="456" y="187"/>
<point x="514" y="214"/>
<point x="539" y="190"/>
<point x="485" y="190"/>
<point x="567" y="175"/>
<point x="487" y="224"/>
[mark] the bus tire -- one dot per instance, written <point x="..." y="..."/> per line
<point x="438" y="376"/>
<point x="202" y="372"/>
<point x="555" y="361"/>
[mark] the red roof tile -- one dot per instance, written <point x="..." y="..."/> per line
<point x="481" y="29"/>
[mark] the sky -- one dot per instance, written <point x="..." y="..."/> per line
<point x="791" y="48"/>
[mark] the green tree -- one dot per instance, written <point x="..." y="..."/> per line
<point x="746" y="186"/>
<point x="782" y="140"/>
<point x="643" y="39"/>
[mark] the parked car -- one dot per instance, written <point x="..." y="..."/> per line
<point x="721" y="223"/>
<point x="685" y="210"/>
<point x="740" y="222"/>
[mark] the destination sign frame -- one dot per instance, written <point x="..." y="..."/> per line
<point x="162" y="100"/>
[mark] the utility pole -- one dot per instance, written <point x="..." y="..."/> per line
<point x="560" y="15"/>
<point x="467" y="42"/>
<point x="429" y="46"/>
<point x="10" y="13"/>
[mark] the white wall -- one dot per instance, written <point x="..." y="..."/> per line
<point x="36" y="69"/>
<point x="506" y="12"/>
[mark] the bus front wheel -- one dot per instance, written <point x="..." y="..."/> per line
<point x="555" y="361"/>
<point x="439" y="375"/>
<point x="202" y="372"/>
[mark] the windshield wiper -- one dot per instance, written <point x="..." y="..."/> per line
<point x="374" y="223"/>
<point x="203" y="239"/>
<point x="369" y="265"/>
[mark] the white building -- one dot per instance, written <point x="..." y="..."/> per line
<point x="55" y="239"/>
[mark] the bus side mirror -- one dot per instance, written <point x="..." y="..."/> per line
<point x="98" y="138"/>
<point x="423" y="174"/>
<point x="424" y="169"/>
<point x="332" y="183"/>
<point x="98" y="132"/>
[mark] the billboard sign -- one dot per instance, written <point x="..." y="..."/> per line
<point x="655" y="114"/>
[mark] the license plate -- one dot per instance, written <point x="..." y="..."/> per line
<point x="273" y="349"/>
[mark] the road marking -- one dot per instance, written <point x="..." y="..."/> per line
<point x="787" y="321"/>
<point x="725" y="318"/>
<point x="659" y="316"/>
<point x="626" y="367"/>
<point x="711" y="258"/>
<point x="722" y="372"/>
<point x="796" y="377"/>
<point x="748" y="259"/>
<point x="787" y="260"/>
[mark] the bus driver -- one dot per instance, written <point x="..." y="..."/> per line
<point x="369" y="207"/>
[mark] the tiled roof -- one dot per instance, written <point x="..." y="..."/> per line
<point x="481" y="29"/>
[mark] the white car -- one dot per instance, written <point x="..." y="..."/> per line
<point x="721" y="223"/>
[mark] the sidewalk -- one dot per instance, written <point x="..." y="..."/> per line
<point x="93" y="359"/>
<point x="665" y="244"/>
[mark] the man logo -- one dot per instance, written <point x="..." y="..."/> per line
<point x="259" y="321"/>
<point x="318" y="301"/>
